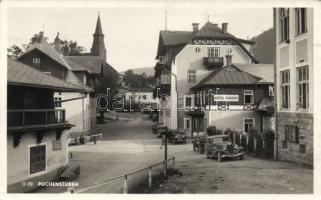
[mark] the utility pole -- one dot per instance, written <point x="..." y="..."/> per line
<point x="165" y="159"/>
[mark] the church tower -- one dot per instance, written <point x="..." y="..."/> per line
<point x="98" y="47"/>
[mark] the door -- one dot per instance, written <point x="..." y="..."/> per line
<point x="188" y="126"/>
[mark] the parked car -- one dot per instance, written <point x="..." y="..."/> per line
<point x="176" y="137"/>
<point x="220" y="147"/>
<point x="199" y="144"/>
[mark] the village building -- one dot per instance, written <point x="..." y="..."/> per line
<point x="81" y="107"/>
<point x="37" y="132"/>
<point x="294" y="83"/>
<point x="211" y="78"/>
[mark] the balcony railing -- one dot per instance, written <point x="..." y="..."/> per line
<point x="212" y="62"/>
<point x="35" y="117"/>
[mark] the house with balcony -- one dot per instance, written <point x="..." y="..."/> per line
<point x="37" y="132"/>
<point x="294" y="83"/>
<point x="199" y="63"/>
<point x="81" y="107"/>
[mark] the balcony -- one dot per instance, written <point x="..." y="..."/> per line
<point x="213" y="63"/>
<point x="36" y="118"/>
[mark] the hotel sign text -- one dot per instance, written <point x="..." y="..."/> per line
<point x="225" y="97"/>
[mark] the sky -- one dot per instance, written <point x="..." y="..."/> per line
<point x="131" y="33"/>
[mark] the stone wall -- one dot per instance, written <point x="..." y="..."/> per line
<point x="291" y="151"/>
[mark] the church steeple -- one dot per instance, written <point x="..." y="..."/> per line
<point x="98" y="47"/>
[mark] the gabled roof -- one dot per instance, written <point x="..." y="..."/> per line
<point x="229" y="75"/>
<point x="208" y="31"/>
<point x="172" y="38"/>
<point x="92" y="64"/>
<point x="264" y="71"/>
<point x="25" y="75"/>
<point x="43" y="46"/>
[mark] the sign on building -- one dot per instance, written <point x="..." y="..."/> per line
<point x="56" y="145"/>
<point x="226" y="97"/>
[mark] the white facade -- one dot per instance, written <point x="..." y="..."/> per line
<point x="191" y="59"/>
<point x="296" y="53"/>
<point x="79" y="112"/>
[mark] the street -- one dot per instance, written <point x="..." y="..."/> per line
<point x="128" y="145"/>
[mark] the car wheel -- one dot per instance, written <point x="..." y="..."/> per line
<point x="219" y="157"/>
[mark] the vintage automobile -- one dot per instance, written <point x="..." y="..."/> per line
<point x="220" y="147"/>
<point x="176" y="137"/>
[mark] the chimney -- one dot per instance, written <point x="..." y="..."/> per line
<point x="228" y="59"/>
<point x="40" y="37"/>
<point x="57" y="43"/>
<point x="224" y="27"/>
<point x="195" y="27"/>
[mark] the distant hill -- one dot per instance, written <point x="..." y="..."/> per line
<point x="149" y="71"/>
<point x="263" y="49"/>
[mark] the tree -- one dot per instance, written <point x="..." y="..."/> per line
<point x="71" y="48"/>
<point x="14" y="52"/>
<point x="137" y="82"/>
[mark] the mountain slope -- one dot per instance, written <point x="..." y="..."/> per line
<point x="263" y="50"/>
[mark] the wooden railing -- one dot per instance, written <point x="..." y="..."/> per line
<point x="31" y="117"/>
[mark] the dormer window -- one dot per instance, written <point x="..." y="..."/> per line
<point x="36" y="62"/>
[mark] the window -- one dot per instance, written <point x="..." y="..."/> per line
<point x="188" y="101"/>
<point x="57" y="104"/>
<point x="248" y="123"/>
<point x="213" y="52"/>
<point x="162" y="59"/>
<point x="303" y="87"/>
<point x="300" y="20"/>
<point x="271" y="91"/>
<point x="37" y="159"/>
<point x="285" y="88"/>
<point x="248" y="97"/>
<point x="292" y="134"/>
<point x="191" y="76"/>
<point x="284" y="24"/>
<point x="197" y="50"/>
<point x="36" y="62"/>
<point x="165" y="78"/>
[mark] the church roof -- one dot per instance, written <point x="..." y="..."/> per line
<point x="91" y="64"/>
<point x="98" y="30"/>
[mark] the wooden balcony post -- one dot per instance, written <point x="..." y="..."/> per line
<point x="23" y="118"/>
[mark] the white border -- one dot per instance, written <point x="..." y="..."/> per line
<point x="165" y="3"/>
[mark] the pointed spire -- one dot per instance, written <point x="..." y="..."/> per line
<point x="98" y="46"/>
<point x="98" y="30"/>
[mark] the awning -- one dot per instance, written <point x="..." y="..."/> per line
<point x="266" y="105"/>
